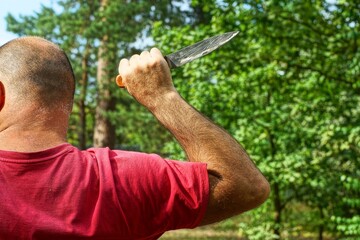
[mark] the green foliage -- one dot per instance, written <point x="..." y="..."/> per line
<point x="287" y="87"/>
<point x="347" y="218"/>
<point x="78" y="27"/>
<point x="258" y="224"/>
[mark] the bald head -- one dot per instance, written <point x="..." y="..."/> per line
<point x="37" y="71"/>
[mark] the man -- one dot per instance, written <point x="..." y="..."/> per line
<point x="52" y="190"/>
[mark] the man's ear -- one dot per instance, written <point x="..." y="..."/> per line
<point x="2" y="95"/>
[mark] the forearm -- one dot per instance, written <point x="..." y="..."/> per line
<point x="202" y="140"/>
<point x="237" y="184"/>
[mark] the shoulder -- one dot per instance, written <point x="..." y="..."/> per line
<point x="140" y="165"/>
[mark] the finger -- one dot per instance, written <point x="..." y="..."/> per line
<point x="154" y="52"/>
<point x="134" y="59"/>
<point x="124" y="64"/>
<point x="145" y="55"/>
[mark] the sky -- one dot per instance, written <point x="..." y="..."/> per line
<point x="17" y="7"/>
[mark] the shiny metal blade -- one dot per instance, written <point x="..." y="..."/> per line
<point x="198" y="49"/>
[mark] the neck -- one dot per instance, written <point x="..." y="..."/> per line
<point x="29" y="141"/>
<point x="32" y="132"/>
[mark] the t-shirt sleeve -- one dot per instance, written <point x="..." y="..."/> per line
<point x="157" y="195"/>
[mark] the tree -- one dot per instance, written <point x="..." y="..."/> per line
<point x="287" y="87"/>
<point x="96" y="34"/>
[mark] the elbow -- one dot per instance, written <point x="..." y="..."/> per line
<point x="252" y="196"/>
<point x="263" y="192"/>
<point x="232" y="197"/>
<point x="258" y="193"/>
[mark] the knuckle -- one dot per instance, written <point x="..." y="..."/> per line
<point x="144" y="53"/>
<point x="156" y="61"/>
<point x="155" y="50"/>
<point x="122" y="61"/>
<point x="134" y="57"/>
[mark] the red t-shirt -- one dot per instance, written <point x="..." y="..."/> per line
<point x="65" y="193"/>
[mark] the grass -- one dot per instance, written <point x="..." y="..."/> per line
<point x="201" y="233"/>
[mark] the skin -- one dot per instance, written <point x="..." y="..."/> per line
<point x="236" y="184"/>
<point x="30" y="120"/>
<point x="29" y="123"/>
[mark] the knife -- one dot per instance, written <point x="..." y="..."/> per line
<point x="192" y="52"/>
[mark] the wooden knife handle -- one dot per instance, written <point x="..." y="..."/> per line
<point x="119" y="81"/>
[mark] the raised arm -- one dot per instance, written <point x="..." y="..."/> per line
<point x="235" y="182"/>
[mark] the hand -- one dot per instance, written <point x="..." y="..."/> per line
<point x="146" y="77"/>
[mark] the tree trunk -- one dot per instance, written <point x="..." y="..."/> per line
<point x="104" y="131"/>
<point x="83" y="93"/>
<point x="278" y="210"/>
<point x="321" y="227"/>
<point x="277" y="198"/>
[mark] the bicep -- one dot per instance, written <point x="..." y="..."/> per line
<point x="161" y="194"/>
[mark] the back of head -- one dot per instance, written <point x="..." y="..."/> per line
<point x="36" y="71"/>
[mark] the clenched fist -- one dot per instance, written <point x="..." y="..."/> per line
<point x="146" y="77"/>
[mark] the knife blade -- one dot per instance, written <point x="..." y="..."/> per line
<point x="193" y="52"/>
